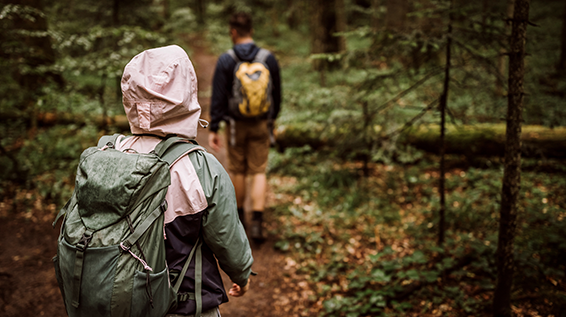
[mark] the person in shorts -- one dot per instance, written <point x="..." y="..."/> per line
<point x="248" y="141"/>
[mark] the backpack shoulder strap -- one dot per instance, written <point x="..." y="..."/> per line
<point x="233" y="55"/>
<point x="262" y="55"/>
<point x="105" y="139"/>
<point x="197" y="295"/>
<point x="172" y="149"/>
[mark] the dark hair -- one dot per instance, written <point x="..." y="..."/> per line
<point x="241" y="22"/>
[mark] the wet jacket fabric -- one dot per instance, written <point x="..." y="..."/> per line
<point x="223" y="80"/>
<point x="160" y="98"/>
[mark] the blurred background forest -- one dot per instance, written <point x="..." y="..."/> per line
<point x="355" y="177"/>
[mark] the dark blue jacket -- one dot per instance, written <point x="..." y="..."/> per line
<point x="223" y="77"/>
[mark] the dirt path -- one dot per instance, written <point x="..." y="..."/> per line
<point x="28" y="242"/>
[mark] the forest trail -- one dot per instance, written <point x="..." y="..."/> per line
<point x="28" y="286"/>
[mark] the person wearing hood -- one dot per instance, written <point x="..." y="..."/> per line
<point x="159" y="89"/>
<point x="250" y="139"/>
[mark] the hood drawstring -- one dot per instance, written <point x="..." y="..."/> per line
<point x="203" y="123"/>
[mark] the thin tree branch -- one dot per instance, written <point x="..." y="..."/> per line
<point x="409" y="123"/>
<point x="407" y="91"/>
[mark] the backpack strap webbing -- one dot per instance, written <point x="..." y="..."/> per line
<point x="262" y="55"/>
<point x="232" y="54"/>
<point x="172" y="149"/>
<point x="105" y="139"/>
<point x="141" y="229"/>
<point x="197" y="295"/>
<point x="198" y="281"/>
<point x="80" y="249"/>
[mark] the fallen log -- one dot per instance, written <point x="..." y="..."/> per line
<point x="489" y="140"/>
<point x="48" y="119"/>
<point x="468" y="140"/>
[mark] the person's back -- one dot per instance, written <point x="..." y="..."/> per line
<point x="160" y="99"/>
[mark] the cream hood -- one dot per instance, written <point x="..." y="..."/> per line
<point x="159" y="88"/>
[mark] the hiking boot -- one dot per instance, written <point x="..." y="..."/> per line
<point x="257" y="231"/>
<point x="257" y="228"/>
<point x="241" y="214"/>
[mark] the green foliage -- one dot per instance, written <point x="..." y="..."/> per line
<point x="373" y="241"/>
<point x="69" y="64"/>
<point x="182" y="20"/>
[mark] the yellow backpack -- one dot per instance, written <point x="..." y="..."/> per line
<point x="251" y="88"/>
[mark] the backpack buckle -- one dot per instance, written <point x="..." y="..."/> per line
<point x="84" y="241"/>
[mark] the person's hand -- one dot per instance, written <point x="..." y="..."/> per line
<point x="214" y="140"/>
<point x="238" y="291"/>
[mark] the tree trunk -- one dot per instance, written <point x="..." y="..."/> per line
<point x="317" y="30"/>
<point x="116" y="13"/>
<point x="167" y="10"/>
<point x="375" y="23"/>
<point x="512" y="172"/>
<point x="443" y="104"/>
<point x="367" y="119"/>
<point x="561" y="67"/>
<point x="502" y="60"/>
<point x="201" y="12"/>
<point x="323" y="27"/>
<point x="396" y="15"/>
<point x="292" y="19"/>
<point x="341" y="24"/>
<point x="275" y="12"/>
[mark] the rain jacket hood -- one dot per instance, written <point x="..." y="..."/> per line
<point x="246" y="51"/>
<point x="159" y="88"/>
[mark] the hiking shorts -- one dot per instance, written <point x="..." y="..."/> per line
<point x="248" y="154"/>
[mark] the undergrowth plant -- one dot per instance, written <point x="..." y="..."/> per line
<point x="367" y="245"/>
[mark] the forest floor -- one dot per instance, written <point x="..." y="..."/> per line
<point x="28" y="243"/>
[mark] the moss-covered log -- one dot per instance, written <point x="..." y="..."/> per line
<point x="469" y="140"/>
<point x="48" y="119"/>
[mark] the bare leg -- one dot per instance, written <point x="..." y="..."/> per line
<point x="257" y="193"/>
<point x="239" y="181"/>
<point x="258" y="188"/>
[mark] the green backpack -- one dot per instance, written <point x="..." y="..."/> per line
<point x="111" y="252"/>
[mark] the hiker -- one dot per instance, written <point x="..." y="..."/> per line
<point x="248" y="135"/>
<point x="132" y="192"/>
<point x="160" y="98"/>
